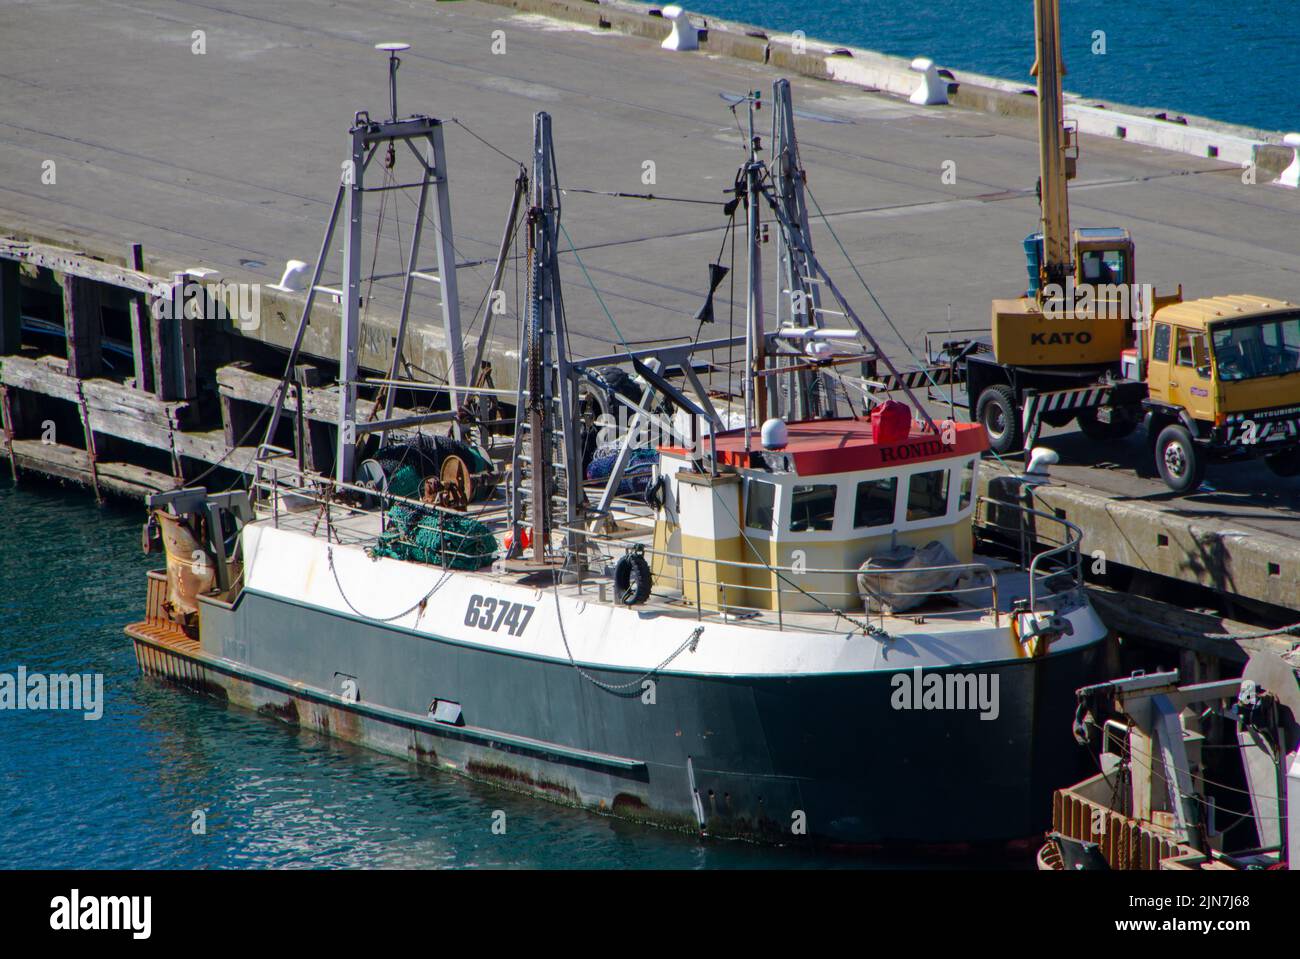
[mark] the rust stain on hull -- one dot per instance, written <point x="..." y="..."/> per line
<point x="286" y="712"/>
<point x="518" y="779"/>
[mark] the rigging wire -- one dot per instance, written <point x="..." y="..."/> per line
<point x="644" y="196"/>
<point x="731" y="313"/>
<point x="923" y="366"/>
<point x="591" y="283"/>
<point x="486" y="143"/>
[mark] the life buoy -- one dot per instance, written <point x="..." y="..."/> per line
<point x="632" y="579"/>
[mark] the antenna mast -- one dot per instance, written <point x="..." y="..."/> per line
<point x="422" y="135"/>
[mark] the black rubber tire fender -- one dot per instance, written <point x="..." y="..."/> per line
<point x="632" y="579"/>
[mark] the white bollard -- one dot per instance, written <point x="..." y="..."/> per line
<point x="933" y="89"/>
<point x="685" y="36"/>
<point x="1291" y="175"/>
<point x="293" y="280"/>
<point x="1041" y="461"/>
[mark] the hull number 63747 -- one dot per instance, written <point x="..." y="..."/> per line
<point x="490" y="614"/>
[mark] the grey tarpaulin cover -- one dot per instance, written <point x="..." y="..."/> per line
<point x="904" y="577"/>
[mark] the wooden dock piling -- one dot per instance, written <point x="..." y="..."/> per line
<point x="83" y="324"/>
<point x="141" y="334"/>
<point x="11" y="318"/>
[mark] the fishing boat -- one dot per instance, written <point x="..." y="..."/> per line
<point x="770" y="620"/>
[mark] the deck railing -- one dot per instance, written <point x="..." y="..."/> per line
<point x="1046" y="546"/>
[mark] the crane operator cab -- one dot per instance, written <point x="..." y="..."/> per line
<point x="1086" y="321"/>
<point x="1103" y="257"/>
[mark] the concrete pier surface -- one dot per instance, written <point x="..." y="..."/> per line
<point x="229" y="159"/>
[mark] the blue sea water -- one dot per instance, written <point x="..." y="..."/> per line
<point x="121" y="792"/>
<point x="1233" y="61"/>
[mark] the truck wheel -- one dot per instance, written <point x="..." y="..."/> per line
<point x="1180" y="463"/>
<point x="1122" y="423"/>
<point x="1284" y="464"/>
<point x="996" y="410"/>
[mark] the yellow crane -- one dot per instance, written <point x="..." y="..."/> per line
<point x="1087" y="343"/>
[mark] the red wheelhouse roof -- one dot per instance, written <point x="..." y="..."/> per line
<point x="846" y="445"/>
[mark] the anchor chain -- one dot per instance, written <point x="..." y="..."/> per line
<point x="692" y="641"/>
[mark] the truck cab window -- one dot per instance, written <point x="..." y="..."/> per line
<point x="1160" y="344"/>
<point x="1103" y="267"/>
<point x="1192" y="352"/>
<point x="1245" y="351"/>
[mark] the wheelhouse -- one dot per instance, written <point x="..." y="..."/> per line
<point x="831" y="498"/>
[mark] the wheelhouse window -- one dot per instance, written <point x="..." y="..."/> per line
<point x="967" y="485"/>
<point x="874" y="504"/>
<point x="812" y="508"/>
<point x="1251" y="350"/>
<point x="927" y="495"/>
<point x="760" y="504"/>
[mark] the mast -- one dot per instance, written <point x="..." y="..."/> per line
<point x="422" y="136"/>
<point x="1057" y="264"/>
<point x="755" y="387"/>
<point x="547" y="392"/>
<point x="797" y="240"/>
<point x="809" y="394"/>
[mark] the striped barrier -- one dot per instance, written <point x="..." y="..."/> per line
<point x="912" y="379"/>
<point x="1038" y="404"/>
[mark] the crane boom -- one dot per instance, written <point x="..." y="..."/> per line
<point x="1057" y="261"/>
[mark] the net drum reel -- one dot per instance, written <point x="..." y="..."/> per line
<point x="427" y="467"/>
<point x="458" y="484"/>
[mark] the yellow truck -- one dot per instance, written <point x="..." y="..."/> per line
<point x="1223" y="380"/>
<point x="1214" y="378"/>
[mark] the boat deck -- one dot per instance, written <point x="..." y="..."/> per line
<point x="361" y="527"/>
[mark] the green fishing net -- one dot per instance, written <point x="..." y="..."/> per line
<point x="426" y="535"/>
